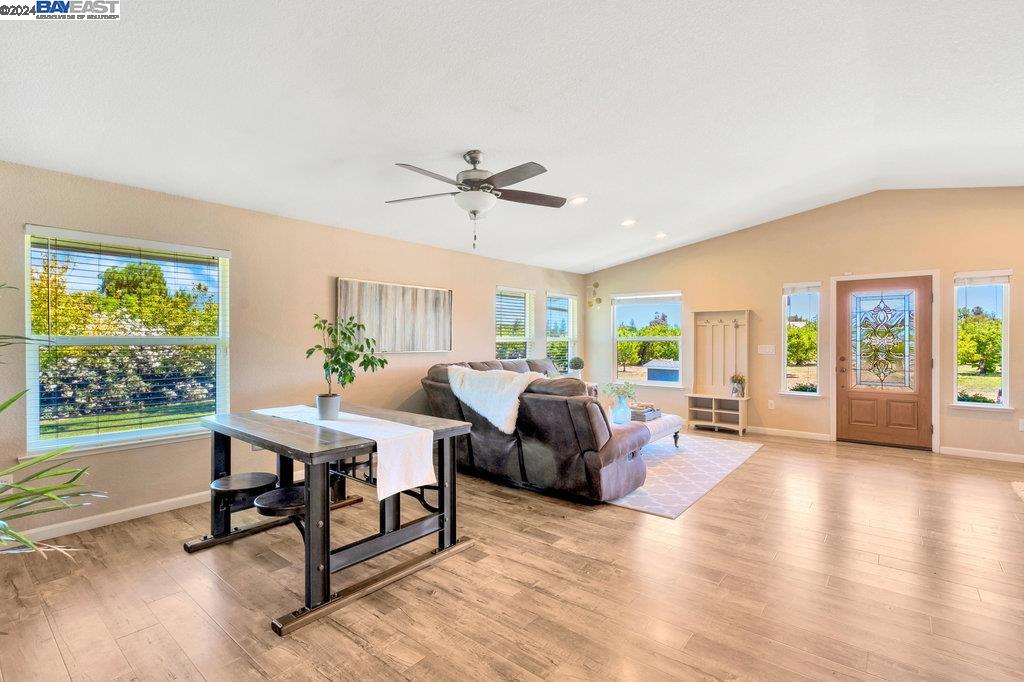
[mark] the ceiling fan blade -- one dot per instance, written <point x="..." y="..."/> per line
<point x="534" y="198"/>
<point x="514" y="175"/>
<point x="429" y="174"/>
<point x="426" y="196"/>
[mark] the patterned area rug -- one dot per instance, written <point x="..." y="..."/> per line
<point x="676" y="478"/>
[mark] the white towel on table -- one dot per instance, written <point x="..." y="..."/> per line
<point x="405" y="454"/>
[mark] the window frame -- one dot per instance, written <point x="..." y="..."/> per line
<point x="572" y="333"/>
<point x="983" y="278"/>
<point x="528" y="331"/>
<point x="789" y="289"/>
<point x="128" y="437"/>
<point x="615" y="298"/>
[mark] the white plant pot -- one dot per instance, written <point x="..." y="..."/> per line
<point x="328" y="406"/>
<point x="575" y="373"/>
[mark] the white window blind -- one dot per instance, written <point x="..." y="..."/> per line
<point x="513" y="323"/>
<point x="992" y="277"/>
<point x="560" y="329"/>
<point x="131" y="337"/>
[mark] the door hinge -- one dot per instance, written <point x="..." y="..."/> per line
<point x="932" y="429"/>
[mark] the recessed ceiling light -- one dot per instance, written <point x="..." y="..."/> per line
<point x="628" y="222"/>
<point x="579" y="200"/>
<point x="660" y="235"/>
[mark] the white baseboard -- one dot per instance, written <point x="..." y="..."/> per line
<point x="105" y="519"/>
<point x="983" y="454"/>
<point x="806" y="435"/>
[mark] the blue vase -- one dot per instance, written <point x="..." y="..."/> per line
<point x="620" y="411"/>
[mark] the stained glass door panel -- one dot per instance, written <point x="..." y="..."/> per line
<point x="884" y="361"/>
<point x="882" y="339"/>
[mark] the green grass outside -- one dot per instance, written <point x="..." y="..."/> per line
<point x="968" y="379"/>
<point x="164" y="415"/>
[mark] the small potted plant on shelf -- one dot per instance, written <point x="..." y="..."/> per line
<point x="343" y="352"/>
<point x="739" y="385"/>
<point x="620" y="410"/>
<point x="576" y="367"/>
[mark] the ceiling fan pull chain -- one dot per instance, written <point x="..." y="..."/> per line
<point x="474" y="235"/>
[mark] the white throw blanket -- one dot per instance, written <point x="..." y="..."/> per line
<point x="493" y="394"/>
<point x="405" y="454"/>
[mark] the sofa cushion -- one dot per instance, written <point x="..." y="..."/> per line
<point x="485" y="365"/>
<point x="542" y="365"/>
<point x="565" y="386"/>
<point x="515" y="366"/>
<point x="439" y="372"/>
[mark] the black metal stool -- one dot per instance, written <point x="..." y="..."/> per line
<point x="237" y="491"/>
<point x="289" y="501"/>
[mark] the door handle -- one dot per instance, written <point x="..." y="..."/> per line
<point x="842" y="369"/>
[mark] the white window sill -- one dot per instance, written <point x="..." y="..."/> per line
<point x="802" y="394"/>
<point x="982" y="407"/>
<point x="84" y="450"/>
<point x="651" y="384"/>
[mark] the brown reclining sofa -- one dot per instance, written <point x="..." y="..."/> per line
<point x="563" y="443"/>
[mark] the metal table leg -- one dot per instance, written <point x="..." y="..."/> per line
<point x="318" y="534"/>
<point x="220" y="465"/>
<point x="285" y="471"/>
<point x="392" y="535"/>
<point x="390" y="513"/>
<point x="447" y="536"/>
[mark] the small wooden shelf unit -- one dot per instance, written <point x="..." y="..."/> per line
<point x="720" y="351"/>
<point x="717" y="412"/>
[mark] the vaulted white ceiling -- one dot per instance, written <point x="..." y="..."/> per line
<point x="695" y="118"/>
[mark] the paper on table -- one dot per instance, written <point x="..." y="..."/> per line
<point x="405" y="454"/>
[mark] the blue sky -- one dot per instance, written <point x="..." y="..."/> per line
<point x="988" y="296"/>
<point x="804" y="306"/>
<point x="642" y="313"/>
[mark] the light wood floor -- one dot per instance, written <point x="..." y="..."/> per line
<point x="812" y="560"/>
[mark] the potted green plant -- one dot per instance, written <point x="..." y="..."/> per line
<point x="576" y="367"/>
<point x="620" y="410"/>
<point x="33" y="490"/>
<point x="739" y="385"/>
<point x="343" y="352"/>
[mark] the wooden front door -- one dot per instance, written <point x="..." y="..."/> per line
<point x="884" y="361"/>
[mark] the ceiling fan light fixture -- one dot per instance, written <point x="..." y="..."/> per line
<point x="475" y="201"/>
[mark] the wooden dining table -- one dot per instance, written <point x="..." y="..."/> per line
<point x="329" y="457"/>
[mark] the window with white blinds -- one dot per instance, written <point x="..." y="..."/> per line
<point x="513" y="323"/>
<point x="131" y="337"/>
<point x="982" y="358"/>
<point x="560" y="329"/>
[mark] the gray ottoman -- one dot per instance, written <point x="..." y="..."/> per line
<point x="664" y="425"/>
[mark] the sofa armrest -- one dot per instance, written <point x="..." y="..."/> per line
<point x="626" y="438"/>
<point x="617" y="468"/>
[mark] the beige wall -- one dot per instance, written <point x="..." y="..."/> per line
<point x="282" y="271"/>
<point x="890" y="231"/>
